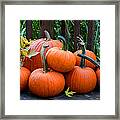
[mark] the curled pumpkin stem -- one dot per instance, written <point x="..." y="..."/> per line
<point x="47" y="35"/>
<point x="81" y="43"/>
<point x="90" y="59"/>
<point x="82" y="63"/>
<point x="64" y="42"/>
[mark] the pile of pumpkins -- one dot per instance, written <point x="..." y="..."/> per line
<point x="55" y="68"/>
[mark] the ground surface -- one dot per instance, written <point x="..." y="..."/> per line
<point x="94" y="95"/>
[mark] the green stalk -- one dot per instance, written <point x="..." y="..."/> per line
<point x="90" y="59"/>
<point x="82" y="62"/>
<point x="67" y="29"/>
<point x="45" y="66"/>
<point x="96" y="35"/>
<point x="64" y="42"/>
<point x="96" y="31"/>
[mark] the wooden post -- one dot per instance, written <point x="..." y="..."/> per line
<point x="47" y="25"/>
<point x="76" y="33"/>
<point x="90" y="42"/>
<point x="63" y="29"/>
<point x="29" y="29"/>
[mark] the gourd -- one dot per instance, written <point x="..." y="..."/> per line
<point x="87" y="53"/>
<point x="81" y="79"/>
<point x="46" y="83"/>
<point x="60" y="60"/>
<point x="24" y="76"/>
<point x="36" y="61"/>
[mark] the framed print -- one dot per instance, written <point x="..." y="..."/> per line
<point x="60" y="59"/>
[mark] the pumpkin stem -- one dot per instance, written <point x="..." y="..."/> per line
<point x="45" y="66"/>
<point x="64" y="42"/>
<point x="82" y="44"/>
<point x="90" y="59"/>
<point x="47" y="34"/>
<point x="82" y="62"/>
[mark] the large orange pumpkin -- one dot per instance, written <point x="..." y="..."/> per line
<point x="60" y="60"/>
<point x="81" y="80"/>
<point x="24" y="76"/>
<point x="87" y="53"/>
<point x="46" y="83"/>
<point x="36" y="61"/>
<point x="97" y="71"/>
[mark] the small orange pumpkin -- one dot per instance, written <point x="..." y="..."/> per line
<point x="46" y="83"/>
<point x="60" y="60"/>
<point x="24" y="76"/>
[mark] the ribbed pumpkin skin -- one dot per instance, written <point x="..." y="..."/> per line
<point x="36" y="61"/>
<point x="24" y="76"/>
<point x="46" y="84"/>
<point x="87" y="63"/>
<point x="98" y="75"/>
<point x="60" y="60"/>
<point x="81" y="80"/>
<point x="27" y="63"/>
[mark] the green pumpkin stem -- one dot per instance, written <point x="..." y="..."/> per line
<point x="90" y="59"/>
<point x="64" y="42"/>
<point x="47" y="35"/>
<point x="82" y="62"/>
<point x="45" y="65"/>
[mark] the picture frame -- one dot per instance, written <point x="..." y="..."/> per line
<point x="70" y="2"/>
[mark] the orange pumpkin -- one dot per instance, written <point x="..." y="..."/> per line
<point x="36" y="61"/>
<point x="87" y="53"/>
<point x="24" y="76"/>
<point x="98" y="75"/>
<point x="97" y="70"/>
<point x="60" y="60"/>
<point x="81" y="80"/>
<point x="46" y="83"/>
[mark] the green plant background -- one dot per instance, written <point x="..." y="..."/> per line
<point x="36" y="33"/>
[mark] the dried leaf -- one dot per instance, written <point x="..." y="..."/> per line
<point x="69" y="93"/>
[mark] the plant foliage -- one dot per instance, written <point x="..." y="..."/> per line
<point x="69" y="30"/>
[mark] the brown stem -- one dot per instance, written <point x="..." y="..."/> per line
<point x="82" y="62"/>
<point x="45" y="66"/>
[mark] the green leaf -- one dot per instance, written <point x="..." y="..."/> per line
<point x="32" y="53"/>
